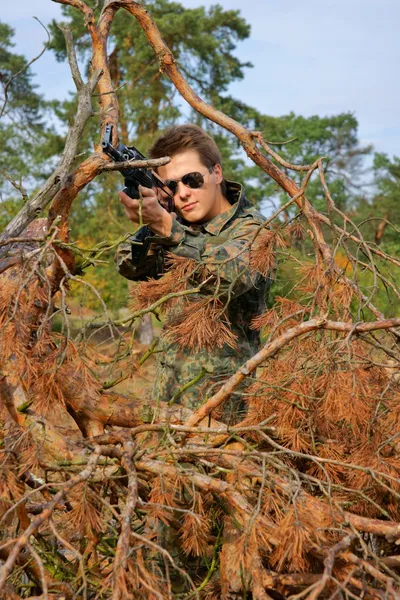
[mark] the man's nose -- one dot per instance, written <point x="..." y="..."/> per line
<point x="183" y="191"/>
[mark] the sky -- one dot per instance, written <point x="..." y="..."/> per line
<point x="309" y="57"/>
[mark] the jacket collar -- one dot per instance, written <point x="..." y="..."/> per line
<point x="237" y="199"/>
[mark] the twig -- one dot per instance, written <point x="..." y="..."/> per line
<point x="329" y="562"/>
<point x="73" y="63"/>
<point x="17" y="186"/>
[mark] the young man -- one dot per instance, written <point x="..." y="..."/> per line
<point x="216" y="224"/>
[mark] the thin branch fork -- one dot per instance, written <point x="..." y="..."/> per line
<point x="18" y="186"/>
<point x="317" y="588"/>
<point x="71" y="54"/>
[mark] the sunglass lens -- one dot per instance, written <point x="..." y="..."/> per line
<point x="172" y="185"/>
<point x="193" y="180"/>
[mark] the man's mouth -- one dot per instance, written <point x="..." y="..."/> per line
<point x="189" y="206"/>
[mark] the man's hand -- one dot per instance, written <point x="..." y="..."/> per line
<point x="153" y="214"/>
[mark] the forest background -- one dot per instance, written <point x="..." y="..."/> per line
<point x="208" y="41"/>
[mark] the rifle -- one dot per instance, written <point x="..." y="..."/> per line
<point x="133" y="177"/>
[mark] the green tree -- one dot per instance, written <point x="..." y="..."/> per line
<point x="27" y="143"/>
<point x="386" y="201"/>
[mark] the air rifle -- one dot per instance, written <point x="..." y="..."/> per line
<point x="133" y="177"/>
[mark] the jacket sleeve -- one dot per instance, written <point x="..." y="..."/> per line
<point x="226" y="256"/>
<point x="127" y="268"/>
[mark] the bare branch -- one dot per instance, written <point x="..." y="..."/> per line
<point x="73" y="63"/>
<point x="150" y="163"/>
<point x="17" y="186"/>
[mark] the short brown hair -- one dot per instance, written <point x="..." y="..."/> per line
<point x="187" y="137"/>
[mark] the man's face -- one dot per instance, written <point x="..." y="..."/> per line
<point x="194" y="205"/>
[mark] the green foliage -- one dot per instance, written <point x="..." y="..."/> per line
<point x="334" y="138"/>
<point x="378" y="218"/>
<point x="301" y="141"/>
<point x="96" y="217"/>
<point x="24" y="103"/>
<point x="27" y="142"/>
<point x="386" y="201"/>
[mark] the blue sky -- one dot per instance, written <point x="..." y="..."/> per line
<point x="309" y="57"/>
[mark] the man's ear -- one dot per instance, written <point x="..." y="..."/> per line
<point x="218" y="174"/>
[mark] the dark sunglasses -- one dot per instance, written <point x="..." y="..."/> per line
<point x="193" y="180"/>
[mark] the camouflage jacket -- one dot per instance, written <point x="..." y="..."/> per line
<point x="221" y="244"/>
